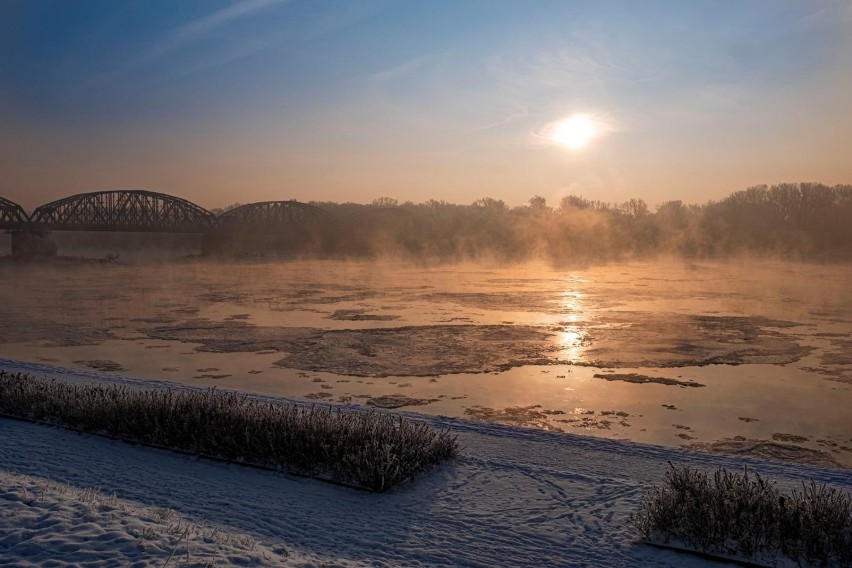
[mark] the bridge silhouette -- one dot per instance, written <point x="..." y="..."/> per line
<point x="151" y="212"/>
<point x="131" y="211"/>
<point x="12" y="215"/>
<point x="272" y="216"/>
<point x="148" y="211"/>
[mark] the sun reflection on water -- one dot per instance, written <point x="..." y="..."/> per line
<point x="571" y="338"/>
<point x="572" y="344"/>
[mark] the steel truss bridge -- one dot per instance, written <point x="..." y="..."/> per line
<point x="12" y="215"/>
<point x="271" y="217"/>
<point x="133" y="211"/>
<point x="147" y="211"/>
<point x="279" y="225"/>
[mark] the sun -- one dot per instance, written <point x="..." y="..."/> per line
<point x="573" y="132"/>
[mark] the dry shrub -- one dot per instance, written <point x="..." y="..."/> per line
<point x="368" y="449"/>
<point x="744" y="515"/>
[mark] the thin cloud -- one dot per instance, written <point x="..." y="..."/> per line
<point x="557" y="69"/>
<point x="521" y="113"/>
<point x="414" y="67"/>
<point x="236" y="53"/>
<point x="200" y="27"/>
<point x="192" y="32"/>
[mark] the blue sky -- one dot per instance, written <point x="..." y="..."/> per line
<point x="223" y="101"/>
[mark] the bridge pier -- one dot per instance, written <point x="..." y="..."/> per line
<point x="32" y="243"/>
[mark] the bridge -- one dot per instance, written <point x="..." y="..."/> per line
<point x="12" y="215"/>
<point x="131" y="211"/>
<point x="273" y="225"/>
<point x="268" y="223"/>
<point x="273" y="217"/>
<point x="148" y="211"/>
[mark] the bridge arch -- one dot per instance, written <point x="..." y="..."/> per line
<point x="272" y="217"/>
<point x="12" y="215"/>
<point x="273" y="227"/>
<point x="124" y="210"/>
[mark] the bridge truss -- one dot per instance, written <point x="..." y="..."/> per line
<point x="272" y="217"/>
<point x="124" y="210"/>
<point x="12" y="215"/>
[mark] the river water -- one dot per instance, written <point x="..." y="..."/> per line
<point x="740" y="357"/>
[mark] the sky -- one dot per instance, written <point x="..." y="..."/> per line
<point x="348" y="100"/>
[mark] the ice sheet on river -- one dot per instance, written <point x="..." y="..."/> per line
<point x="622" y="339"/>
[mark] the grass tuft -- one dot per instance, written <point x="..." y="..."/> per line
<point x="746" y="516"/>
<point x="367" y="449"/>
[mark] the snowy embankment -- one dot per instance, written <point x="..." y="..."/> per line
<point x="516" y="498"/>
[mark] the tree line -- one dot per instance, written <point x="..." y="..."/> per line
<point x="793" y="220"/>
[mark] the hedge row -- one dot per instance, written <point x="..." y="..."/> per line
<point x="745" y="516"/>
<point x="366" y="449"/>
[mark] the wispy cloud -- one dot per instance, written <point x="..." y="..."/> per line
<point x="827" y="14"/>
<point x="190" y="33"/>
<point x="406" y="69"/>
<point x="222" y="57"/>
<point x="413" y="89"/>
<point x="200" y="27"/>
<point x="546" y="69"/>
<point x="521" y="113"/>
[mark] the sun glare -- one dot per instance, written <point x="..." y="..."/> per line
<point x="574" y="132"/>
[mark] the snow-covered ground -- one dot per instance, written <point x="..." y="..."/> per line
<point x="517" y="497"/>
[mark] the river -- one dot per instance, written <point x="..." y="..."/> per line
<point x="752" y="356"/>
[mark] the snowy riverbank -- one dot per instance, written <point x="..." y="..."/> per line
<point x="516" y="498"/>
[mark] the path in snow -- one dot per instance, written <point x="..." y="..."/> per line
<point x="517" y="498"/>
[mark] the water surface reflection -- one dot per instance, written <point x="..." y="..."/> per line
<point x="517" y="343"/>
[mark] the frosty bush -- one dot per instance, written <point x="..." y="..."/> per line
<point x="744" y="515"/>
<point x="363" y="448"/>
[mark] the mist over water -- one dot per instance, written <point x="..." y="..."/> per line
<point x="739" y="355"/>
<point x="801" y="221"/>
<point x="723" y="327"/>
